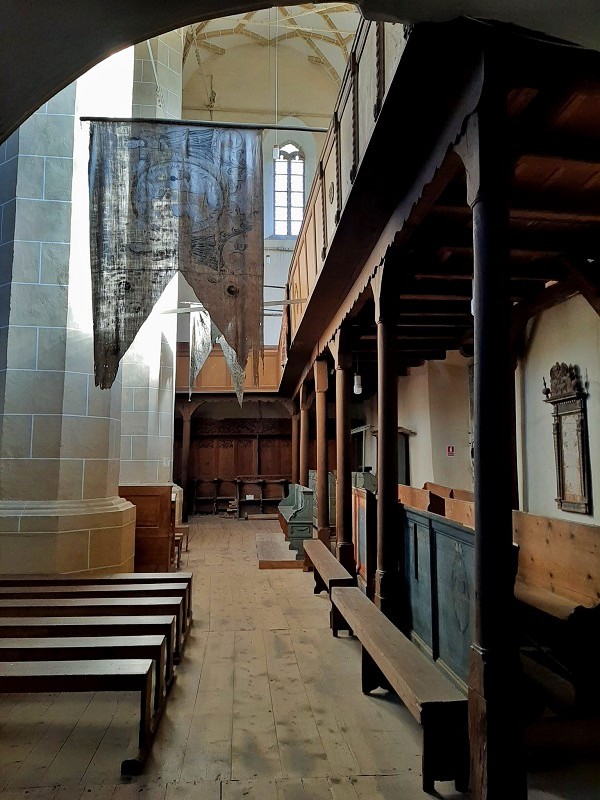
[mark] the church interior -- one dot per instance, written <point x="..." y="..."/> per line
<point x="299" y="432"/>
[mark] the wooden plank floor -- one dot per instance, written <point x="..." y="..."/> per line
<point x="266" y="706"/>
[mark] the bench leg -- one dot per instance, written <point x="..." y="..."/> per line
<point x="445" y="748"/>
<point x="372" y="677"/>
<point x="135" y="766"/>
<point x="337" y="622"/>
<point x="320" y="585"/>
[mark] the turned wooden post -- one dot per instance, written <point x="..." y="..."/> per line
<point x="495" y="702"/>
<point x="322" y="497"/>
<point x="389" y="540"/>
<point x="343" y="490"/>
<point x="304" y="428"/>
<point x="296" y="443"/>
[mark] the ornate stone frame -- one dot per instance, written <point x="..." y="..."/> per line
<point x="571" y="450"/>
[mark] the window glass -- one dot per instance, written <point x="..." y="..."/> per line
<point x="289" y="190"/>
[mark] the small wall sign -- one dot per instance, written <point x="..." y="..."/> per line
<point x="450" y="450"/>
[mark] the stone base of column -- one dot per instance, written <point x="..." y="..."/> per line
<point x="345" y="555"/>
<point x="495" y="730"/>
<point x="86" y="537"/>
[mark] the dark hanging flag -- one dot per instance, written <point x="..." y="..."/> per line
<point x="165" y="197"/>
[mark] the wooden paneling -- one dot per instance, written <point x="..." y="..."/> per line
<point x="367" y="89"/>
<point x="153" y="529"/>
<point x="214" y="376"/>
<point x="559" y="555"/>
<point x="420" y="498"/>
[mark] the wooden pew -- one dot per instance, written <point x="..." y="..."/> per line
<point x="119" y="577"/>
<point x="123" y="675"/>
<point x="391" y="660"/>
<point x="79" y="648"/>
<point x="328" y="573"/>
<point x="53" y="627"/>
<point x="103" y="590"/>
<point x="295" y="513"/>
<point x="558" y="591"/>
<point x="100" y="606"/>
<point x="422" y="499"/>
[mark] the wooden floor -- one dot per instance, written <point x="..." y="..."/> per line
<point x="266" y="706"/>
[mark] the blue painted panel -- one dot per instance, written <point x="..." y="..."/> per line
<point x="455" y="563"/>
<point x="418" y="573"/>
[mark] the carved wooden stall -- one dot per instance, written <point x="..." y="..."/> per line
<point x="241" y="465"/>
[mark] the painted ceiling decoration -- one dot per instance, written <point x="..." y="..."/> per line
<point x="167" y="196"/>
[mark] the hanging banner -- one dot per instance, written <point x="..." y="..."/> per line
<point x="201" y="343"/>
<point x="165" y="197"/>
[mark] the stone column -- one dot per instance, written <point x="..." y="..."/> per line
<point x="322" y="498"/>
<point x="59" y="435"/>
<point x="148" y="367"/>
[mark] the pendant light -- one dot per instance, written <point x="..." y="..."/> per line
<point x="357" y="388"/>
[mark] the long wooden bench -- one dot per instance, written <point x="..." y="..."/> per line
<point x="100" y="606"/>
<point x="123" y="675"/>
<point x="118" y="577"/>
<point x="390" y="660"/>
<point x="78" y="648"/>
<point x="53" y="627"/>
<point x="328" y="572"/>
<point x="295" y="514"/>
<point x="103" y="590"/>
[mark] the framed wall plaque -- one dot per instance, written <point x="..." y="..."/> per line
<point x="567" y="396"/>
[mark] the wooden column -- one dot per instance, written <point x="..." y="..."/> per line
<point x="296" y="442"/>
<point x="187" y="410"/>
<point x="389" y="549"/>
<point x="304" y="428"/>
<point x="495" y="707"/>
<point x="343" y="490"/>
<point x="322" y="497"/>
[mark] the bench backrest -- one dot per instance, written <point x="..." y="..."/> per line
<point x="422" y="499"/>
<point x="561" y="556"/>
<point x="300" y="498"/>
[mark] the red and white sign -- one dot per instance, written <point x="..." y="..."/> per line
<point x="450" y="450"/>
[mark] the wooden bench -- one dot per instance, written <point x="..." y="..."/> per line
<point x="99" y="606"/>
<point x="119" y="577"/>
<point x="103" y="590"/>
<point x="53" y="627"/>
<point x="328" y="573"/>
<point x="295" y="513"/>
<point x="390" y="660"/>
<point x="125" y="675"/>
<point x="558" y="591"/>
<point x="78" y="648"/>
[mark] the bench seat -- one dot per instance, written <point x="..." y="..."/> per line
<point x="53" y="627"/>
<point x="328" y="573"/>
<point x="105" y="675"/>
<point x="77" y="648"/>
<point x="99" y="606"/>
<point x="391" y="660"/>
<point x="102" y="590"/>
<point x="118" y="577"/>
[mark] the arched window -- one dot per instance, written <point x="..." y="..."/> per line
<point x="289" y="190"/>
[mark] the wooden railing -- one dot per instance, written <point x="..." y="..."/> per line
<point x="375" y="56"/>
